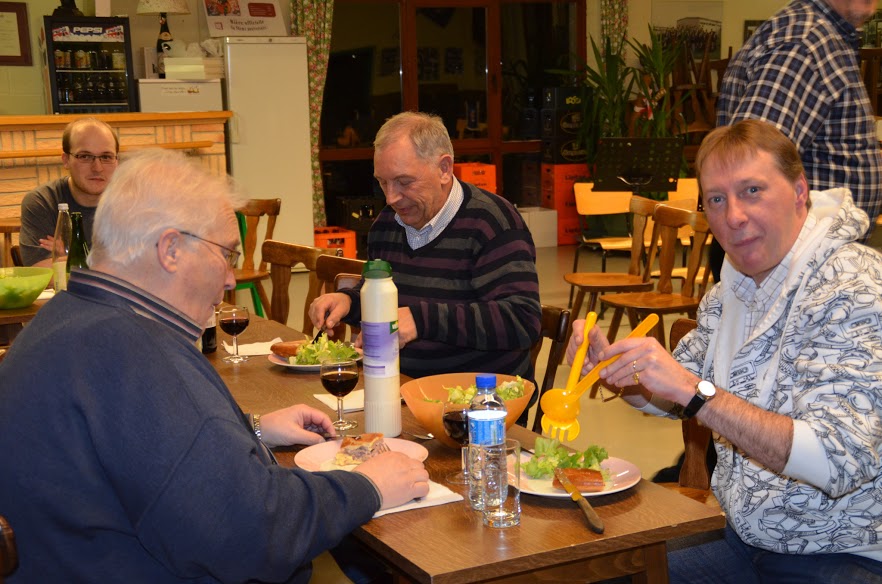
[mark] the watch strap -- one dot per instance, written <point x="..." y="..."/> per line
<point x="693" y="406"/>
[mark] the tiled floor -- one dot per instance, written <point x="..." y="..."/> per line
<point x="648" y="442"/>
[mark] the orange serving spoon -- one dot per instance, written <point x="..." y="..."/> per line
<point x="561" y="406"/>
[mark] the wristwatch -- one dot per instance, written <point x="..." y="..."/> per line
<point x="704" y="392"/>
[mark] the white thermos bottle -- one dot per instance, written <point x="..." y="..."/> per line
<point x="379" y="329"/>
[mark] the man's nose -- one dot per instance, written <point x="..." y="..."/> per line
<point x="735" y="215"/>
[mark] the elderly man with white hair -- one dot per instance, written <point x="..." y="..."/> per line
<point x="124" y="456"/>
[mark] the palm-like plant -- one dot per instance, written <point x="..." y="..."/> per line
<point x="656" y="117"/>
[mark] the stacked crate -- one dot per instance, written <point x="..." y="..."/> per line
<point x="563" y="159"/>
<point x="357" y="214"/>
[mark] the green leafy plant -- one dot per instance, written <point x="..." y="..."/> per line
<point x="656" y="118"/>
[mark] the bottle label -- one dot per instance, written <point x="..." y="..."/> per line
<point x="486" y="427"/>
<point x="59" y="271"/>
<point x="380" y="348"/>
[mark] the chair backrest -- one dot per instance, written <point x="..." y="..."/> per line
<point x="641" y="210"/>
<point x="696" y="438"/>
<point x="668" y="221"/>
<point x="555" y="326"/>
<point x="589" y="202"/>
<point x="281" y="257"/>
<point x="15" y="252"/>
<point x="327" y="268"/>
<point x="8" y="550"/>
<point x="251" y="213"/>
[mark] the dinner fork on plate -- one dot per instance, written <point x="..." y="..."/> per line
<point x="383" y="447"/>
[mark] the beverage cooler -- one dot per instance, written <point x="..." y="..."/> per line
<point x="88" y="65"/>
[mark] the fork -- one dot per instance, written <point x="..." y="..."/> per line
<point x="382" y="447"/>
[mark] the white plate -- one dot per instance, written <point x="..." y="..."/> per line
<point x="624" y="475"/>
<point x="321" y="456"/>
<point x="282" y="362"/>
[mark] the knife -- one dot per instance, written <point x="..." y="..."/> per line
<point x="594" y="520"/>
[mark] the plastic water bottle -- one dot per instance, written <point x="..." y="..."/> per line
<point x="487" y="435"/>
<point x="379" y="329"/>
<point x="60" y="248"/>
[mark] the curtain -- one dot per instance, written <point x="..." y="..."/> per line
<point x="614" y="19"/>
<point x="312" y="19"/>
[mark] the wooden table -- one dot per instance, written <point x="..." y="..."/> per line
<point x="8" y="226"/>
<point x="449" y="544"/>
<point x="13" y="320"/>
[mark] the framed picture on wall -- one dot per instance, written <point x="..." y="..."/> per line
<point x="15" y="40"/>
<point x="749" y="27"/>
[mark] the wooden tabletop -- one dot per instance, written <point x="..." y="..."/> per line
<point x="449" y="544"/>
<point x="20" y="315"/>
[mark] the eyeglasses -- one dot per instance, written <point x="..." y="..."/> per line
<point x="90" y="158"/>
<point x="230" y="255"/>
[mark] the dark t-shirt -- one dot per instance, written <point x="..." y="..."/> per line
<point x="39" y="212"/>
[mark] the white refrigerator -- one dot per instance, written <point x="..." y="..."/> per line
<point x="268" y="138"/>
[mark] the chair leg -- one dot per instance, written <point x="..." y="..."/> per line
<point x="614" y="325"/>
<point x="262" y="299"/>
<point x="575" y="269"/>
<point x="255" y="300"/>
<point x="603" y="260"/>
<point x="577" y="306"/>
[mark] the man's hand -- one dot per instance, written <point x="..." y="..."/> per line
<point x="596" y="343"/>
<point x="297" y="424"/>
<point x="328" y="310"/>
<point x="406" y="326"/>
<point x="398" y="477"/>
<point x="48" y="242"/>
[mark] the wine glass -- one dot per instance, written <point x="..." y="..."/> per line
<point x="233" y="320"/>
<point x="456" y="425"/>
<point x="339" y="377"/>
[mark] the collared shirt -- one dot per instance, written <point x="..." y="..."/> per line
<point x="800" y="71"/>
<point x="140" y="301"/>
<point x="418" y="238"/>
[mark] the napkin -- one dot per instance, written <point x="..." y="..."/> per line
<point x="354" y="402"/>
<point x="438" y="495"/>
<point x="46" y="294"/>
<point x="253" y="348"/>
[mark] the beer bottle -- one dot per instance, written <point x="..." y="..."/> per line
<point x="79" y="249"/>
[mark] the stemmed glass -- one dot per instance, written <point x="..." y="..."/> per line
<point x="456" y="425"/>
<point x="339" y="377"/>
<point x="233" y="320"/>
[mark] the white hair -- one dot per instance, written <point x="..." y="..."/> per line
<point x="151" y="191"/>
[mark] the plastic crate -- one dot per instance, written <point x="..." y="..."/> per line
<point x="336" y="238"/>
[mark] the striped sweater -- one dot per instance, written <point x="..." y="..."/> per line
<point x="473" y="291"/>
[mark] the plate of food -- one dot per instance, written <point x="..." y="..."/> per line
<point x="306" y="356"/>
<point x="351" y="451"/>
<point x="593" y="471"/>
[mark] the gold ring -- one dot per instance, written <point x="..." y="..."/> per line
<point x="634" y="366"/>
<point x="636" y="378"/>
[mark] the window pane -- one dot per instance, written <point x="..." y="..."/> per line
<point x="363" y="87"/>
<point x="536" y="38"/>
<point x="452" y="68"/>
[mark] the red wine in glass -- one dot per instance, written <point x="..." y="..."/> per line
<point x="233" y="325"/>
<point x="340" y="383"/>
<point x="339" y="377"/>
<point x="456" y="425"/>
<point x="233" y="320"/>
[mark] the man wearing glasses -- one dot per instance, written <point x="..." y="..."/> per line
<point x="90" y="155"/>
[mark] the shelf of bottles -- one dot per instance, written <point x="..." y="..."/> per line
<point x="90" y="66"/>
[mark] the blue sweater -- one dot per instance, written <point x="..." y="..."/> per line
<point x="125" y="459"/>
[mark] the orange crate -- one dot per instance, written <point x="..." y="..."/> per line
<point x="557" y="188"/>
<point x="569" y="231"/>
<point x="336" y="238"/>
<point x="479" y="174"/>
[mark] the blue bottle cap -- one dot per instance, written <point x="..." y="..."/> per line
<point x="484" y="380"/>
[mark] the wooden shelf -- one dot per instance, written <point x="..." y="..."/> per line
<point x="57" y="152"/>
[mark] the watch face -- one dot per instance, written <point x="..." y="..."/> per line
<point x="706" y="389"/>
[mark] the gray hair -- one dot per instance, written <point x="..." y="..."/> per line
<point x="151" y="191"/>
<point x="426" y="131"/>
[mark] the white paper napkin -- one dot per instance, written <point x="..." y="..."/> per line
<point x="46" y="294"/>
<point x="253" y="349"/>
<point x="354" y="402"/>
<point x="438" y="495"/>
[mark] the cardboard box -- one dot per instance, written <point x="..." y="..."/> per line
<point x="557" y="188"/>
<point x="479" y="174"/>
<point x="564" y="150"/>
<point x="562" y="97"/>
<point x="561" y="123"/>
<point x="336" y="238"/>
<point x="542" y="224"/>
<point x="194" y="68"/>
<point x="569" y="231"/>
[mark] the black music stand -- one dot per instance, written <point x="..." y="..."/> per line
<point x="640" y="165"/>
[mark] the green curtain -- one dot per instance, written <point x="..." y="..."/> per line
<point x="614" y="19"/>
<point x="312" y="19"/>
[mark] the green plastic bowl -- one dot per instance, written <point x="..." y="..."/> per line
<point x="19" y="287"/>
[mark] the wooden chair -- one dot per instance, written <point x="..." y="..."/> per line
<point x="282" y="257"/>
<point x="637" y="277"/>
<point x="694" y="481"/>
<point x="327" y="268"/>
<point x="250" y="276"/>
<point x="343" y="282"/>
<point x="15" y="252"/>
<point x="668" y="220"/>
<point x="556" y="328"/>
<point x="596" y="204"/>
<point x="8" y="550"/>
<point x="871" y="72"/>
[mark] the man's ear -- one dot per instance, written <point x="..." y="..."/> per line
<point x="801" y="188"/>
<point x="168" y="250"/>
<point x="446" y="166"/>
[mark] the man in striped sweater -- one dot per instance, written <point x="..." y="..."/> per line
<point x="462" y="258"/>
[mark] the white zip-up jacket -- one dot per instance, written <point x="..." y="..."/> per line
<point x="816" y="356"/>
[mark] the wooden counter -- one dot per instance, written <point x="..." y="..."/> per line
<point x="30" y="146"/>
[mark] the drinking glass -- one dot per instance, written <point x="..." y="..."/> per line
<point x="456" y="425"/>
<point x="233" y="320"/>
<point x="339" y="377"/>
<point x="501" y="487"/>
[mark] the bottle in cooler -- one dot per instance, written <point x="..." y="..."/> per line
<point x="60" y="247"/>
<point x="487" y="433"/>
<point x="379" y="329"/>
